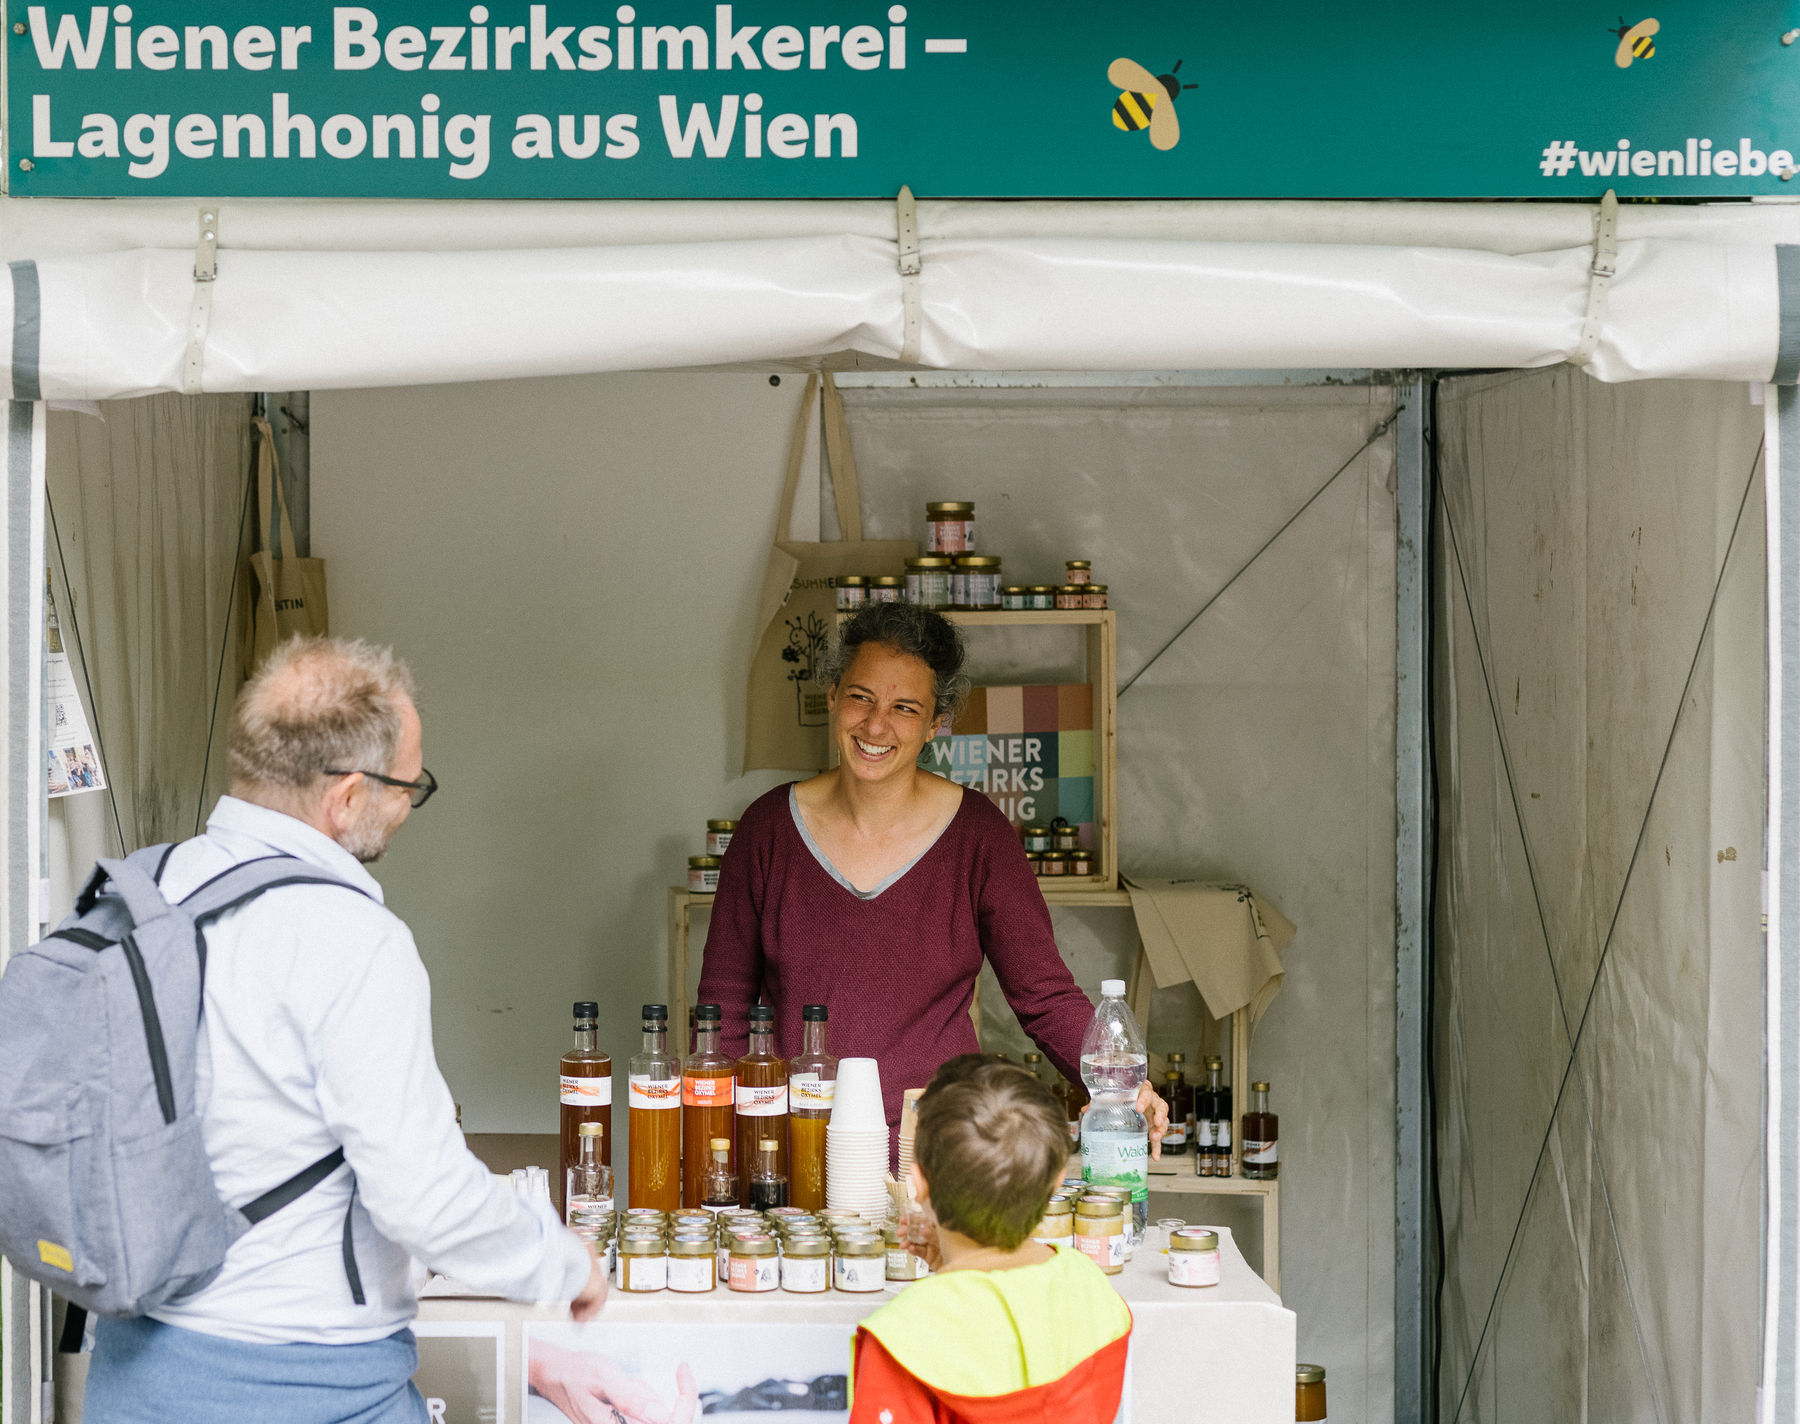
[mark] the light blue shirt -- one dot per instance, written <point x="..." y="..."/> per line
<point x="317" y="1034"/>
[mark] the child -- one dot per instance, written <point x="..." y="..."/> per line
<point x="1008" y="1330"/>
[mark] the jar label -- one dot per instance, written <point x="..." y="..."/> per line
<point x="859" y="1273"/>
<point x="654" y="1094"/>
<point x="1103" y="1251"/>
<point x="762" y="1102"/>
<point x="718" y="842"/>
<point x="587" y="1092"/>
<point x="810" y="1091"/>
<point x="1263" y="1154"/>
<point x="708" y="1092"/>
<point x="804" y="1273"/>
<point x="949" y="536"/>
<point x="755" y="1273"/>
<point x="691" y="1273"/>
<point x="1194" y="1268"/>
<point x="643" y="1273"/>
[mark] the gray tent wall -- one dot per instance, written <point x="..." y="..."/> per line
<point x="1598" y="602"/>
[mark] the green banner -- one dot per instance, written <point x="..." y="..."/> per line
<point x="811" y="99"/>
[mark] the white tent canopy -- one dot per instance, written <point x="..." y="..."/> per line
<point x="319" y="295"/>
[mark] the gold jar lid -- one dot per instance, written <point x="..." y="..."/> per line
<point x="887" y="581"/>
<point x="1259" y="1087"/>
<point x="1059" y="1206"/>
<point x="703" y="862"/>
<point x="753" y="1246"/>
<point x="1100" y="1206"/>
<point x="808" y="1246"/>
<point x="1015" y="588"/>
<point x="1037" y="830"/>
<point x="928" y="561"/>
<point x="1309" y="1374"/>
<point x="1074" y="588"/>
<point x="1193" y="1238"/>
<point x="861" y="1246"/>
<point x="852" y="581"/>
<point x="839" y="1213"/>
<point x="977" y="561"/>
<point x="693" y="1246"/>
<point x="1094" y="587"/>
<point x="721" y="825"/>
<point x="642" y="1246"/>
<point x="1078" y="564"/>
<point x="948" y="507"/>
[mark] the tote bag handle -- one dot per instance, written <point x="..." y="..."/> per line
<point x="840" y="459"/>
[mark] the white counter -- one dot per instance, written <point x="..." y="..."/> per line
<point x="1225" y="1353"/>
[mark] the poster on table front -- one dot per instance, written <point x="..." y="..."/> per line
<point x="655" y="1373"/>
<point x="462" y="1370"/>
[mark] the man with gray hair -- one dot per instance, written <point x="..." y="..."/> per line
<point x="316" y="1034"/>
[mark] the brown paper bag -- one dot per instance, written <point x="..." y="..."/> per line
<point x="796" y="617"/>
<point x="286" y="593"/>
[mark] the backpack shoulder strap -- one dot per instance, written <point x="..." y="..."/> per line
<point x="246" y="880"/>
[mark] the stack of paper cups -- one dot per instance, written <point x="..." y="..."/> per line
<point x="856" y="1141"/>
<point x="909" y="1124"/>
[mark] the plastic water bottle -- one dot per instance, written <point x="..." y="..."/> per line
<point x="1115" y="1136"/>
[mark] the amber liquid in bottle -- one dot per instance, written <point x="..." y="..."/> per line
<point x="762" y="1100"/>
<point x="586" y="1090"/>
<point x="812" y="1082"/>
<point x="655" y="1098"/>
<point x="1261" y="1143"/>
<point x="708" y="1105"/>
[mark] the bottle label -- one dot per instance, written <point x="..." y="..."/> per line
<point x="579" y="1202"/>
<point x="762" y="1102"/>
<point x="1203" y="1132"/>
<point x="707" y="1092"/>
<point x="1263" y="1154"/>
<point x="587" y="1092"/>
<point x="1222" y="1133"/>
<point x="1115" y="1159"/>
<point x="810" y="1092"/>
<point x="655" y="1094"/>
<point x="1176" y="1136"/>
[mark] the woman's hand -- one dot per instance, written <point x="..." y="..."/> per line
<point x="919" y="1233"/>
<point x="593" y="1295"/>
<point x="591" y="1389"/>
<point x="1156" y="1112"/>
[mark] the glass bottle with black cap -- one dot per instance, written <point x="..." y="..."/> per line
<point x="586" y="1089"/>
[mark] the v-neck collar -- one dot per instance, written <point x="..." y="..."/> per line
<point x="838" y="875"/>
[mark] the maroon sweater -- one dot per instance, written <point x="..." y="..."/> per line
<point x="897" y="972"/>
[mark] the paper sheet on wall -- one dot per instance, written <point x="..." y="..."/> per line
<point x="73" y="753"/>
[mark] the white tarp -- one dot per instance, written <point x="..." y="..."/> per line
<point x="1599" y="898"/>
<point x="336" y="295"/>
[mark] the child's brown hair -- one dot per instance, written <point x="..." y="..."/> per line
<point x="993" y="1144"/>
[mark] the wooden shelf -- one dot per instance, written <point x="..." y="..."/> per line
<point x="1030" y="617"/>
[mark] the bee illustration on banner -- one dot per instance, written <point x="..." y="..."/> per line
<point x="1147" y="100"/>
<point x="1635" y="41"/>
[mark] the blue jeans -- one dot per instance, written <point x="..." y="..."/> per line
<point x="145" y="1372"/>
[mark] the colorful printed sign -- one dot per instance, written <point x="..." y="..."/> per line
<point x="1030" y="749"/>
<point x="852" y="98"/>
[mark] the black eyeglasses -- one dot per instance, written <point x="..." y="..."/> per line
<point x="421" y="789"/>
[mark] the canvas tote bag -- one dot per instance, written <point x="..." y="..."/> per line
<point x="796" y="617"/>
<point x="286" y="593"/>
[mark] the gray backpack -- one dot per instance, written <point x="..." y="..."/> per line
<point x="106" y="1195"/>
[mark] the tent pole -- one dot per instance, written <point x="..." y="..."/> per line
<point x="1412" y="1323"/>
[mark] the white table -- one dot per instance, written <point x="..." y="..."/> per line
<point x="1225" y="1353"/>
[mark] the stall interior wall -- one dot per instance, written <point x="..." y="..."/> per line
<point x="1598" y="595"/>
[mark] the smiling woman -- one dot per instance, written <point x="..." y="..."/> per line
<point x="878" y="888"/>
